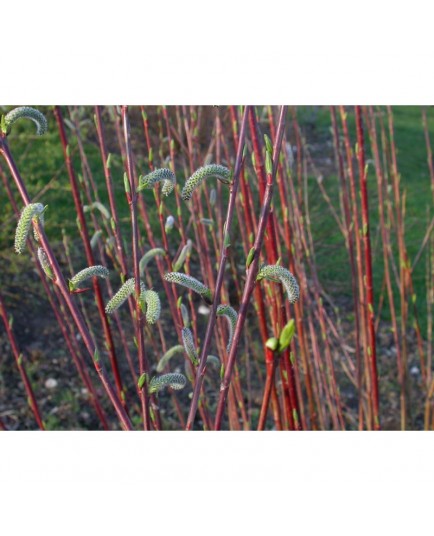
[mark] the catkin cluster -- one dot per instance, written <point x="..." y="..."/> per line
<point x="231" y="315"/>
<point x="153" y="306"/>
<point x="26" y="112"/>
<point x="173" y="379"/>
<point x="276" y="272"/>
<point x="212" y="170"/>
<point x="30" y="212"/>
<point x="189" y="346"/>
<point x="159" y="175"/>
<point x="88" y="273"/>
<point x="191" y="283"/>
<point x="122" y="295"/>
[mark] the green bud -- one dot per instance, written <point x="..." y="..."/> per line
<point x="286" y="335"/>
<point x="273" y="344"/>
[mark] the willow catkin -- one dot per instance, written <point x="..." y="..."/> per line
<point x="153" y="306"/>
<point x="99" y="206"/>
<point x="148" y="256"/>
<point x="26" y="112"/>
<point x="29" y="212"/>
<point x="185" y="252"/>
<point x="212" y="170"/>
<point x="164" y="175"/>
<point x="122" y="295"/>
<point x="45" y="263"/>
<point x="185" y="315"/>
<point x="95" y="239"/>
<point x="189" y="346"/>
<point x="178" y="349"/>
<point x="191" y="283"/>
<point x="88" y="273"/>
<point x="274" y="272"/>
<point x="173" y="379"/>
<point x="231" y="316"/>
<point x="213" y="360"/>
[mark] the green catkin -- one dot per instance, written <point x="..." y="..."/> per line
<point x="279" y="273"/>
<point x="173" y="379"/>
<point x="99" y="206"/>
<point x="178" y="349"/>
<point x="213" y="360"/>
<point x="231" y="315"/>
<point x="213" y="170"/>
<point x="153" y="306"/>
<point x="88" y="273"/>
<point x="185" y="315"/>
<point x="26" y="112"/>
<point x="95" y="239"/>
<point x="159" y="175"/>
<point x="122" y="295"/>
<point x="191" y="283"/>
<point x="185" y="252"/>
<point x="31" y="211"/>
<point x="148" y="256"/>
<point x="189" y="347"/>
<point x="45" y="264"/>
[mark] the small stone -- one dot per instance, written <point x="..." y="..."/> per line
<point x="203" y="310"/>
<point x="414" y="371"/>
<point x="51" y="383"/>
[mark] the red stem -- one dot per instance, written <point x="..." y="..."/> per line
<point x="371" y="350"/>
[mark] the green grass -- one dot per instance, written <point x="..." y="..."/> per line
<point x="415" y="180"/>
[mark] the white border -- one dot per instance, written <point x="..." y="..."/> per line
<point x="214" y="483"/>
<point x="199" y="52"/>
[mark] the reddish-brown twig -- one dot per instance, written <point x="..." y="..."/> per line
<point x="251" y="272"/>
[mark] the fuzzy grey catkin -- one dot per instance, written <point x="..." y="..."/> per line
<point x="95" y="239"/>
<point x="45" y="263"/>
<point x="213" y="360"/>
<point x="173" y="379"/>
<point x="185" y="252"/>
<point x="231" y="316"/>
<point x="153" y="306"/>
<point x="158" y="175"/>
<point x="148" y="256"/>
<point x="178" y="349"/>
<point x="26" y="112"/>
<point x="31" y="211"/>
<point x="88" y="273"/>
<point x="191" y="283"/>
<point x="185" y="315"/>
<point x="99" y="206"/>
<point x="274" y="272"/>
<point x="189" y="346"/>
<point x="212" y="170"/>
<point x="122" y="295"/>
